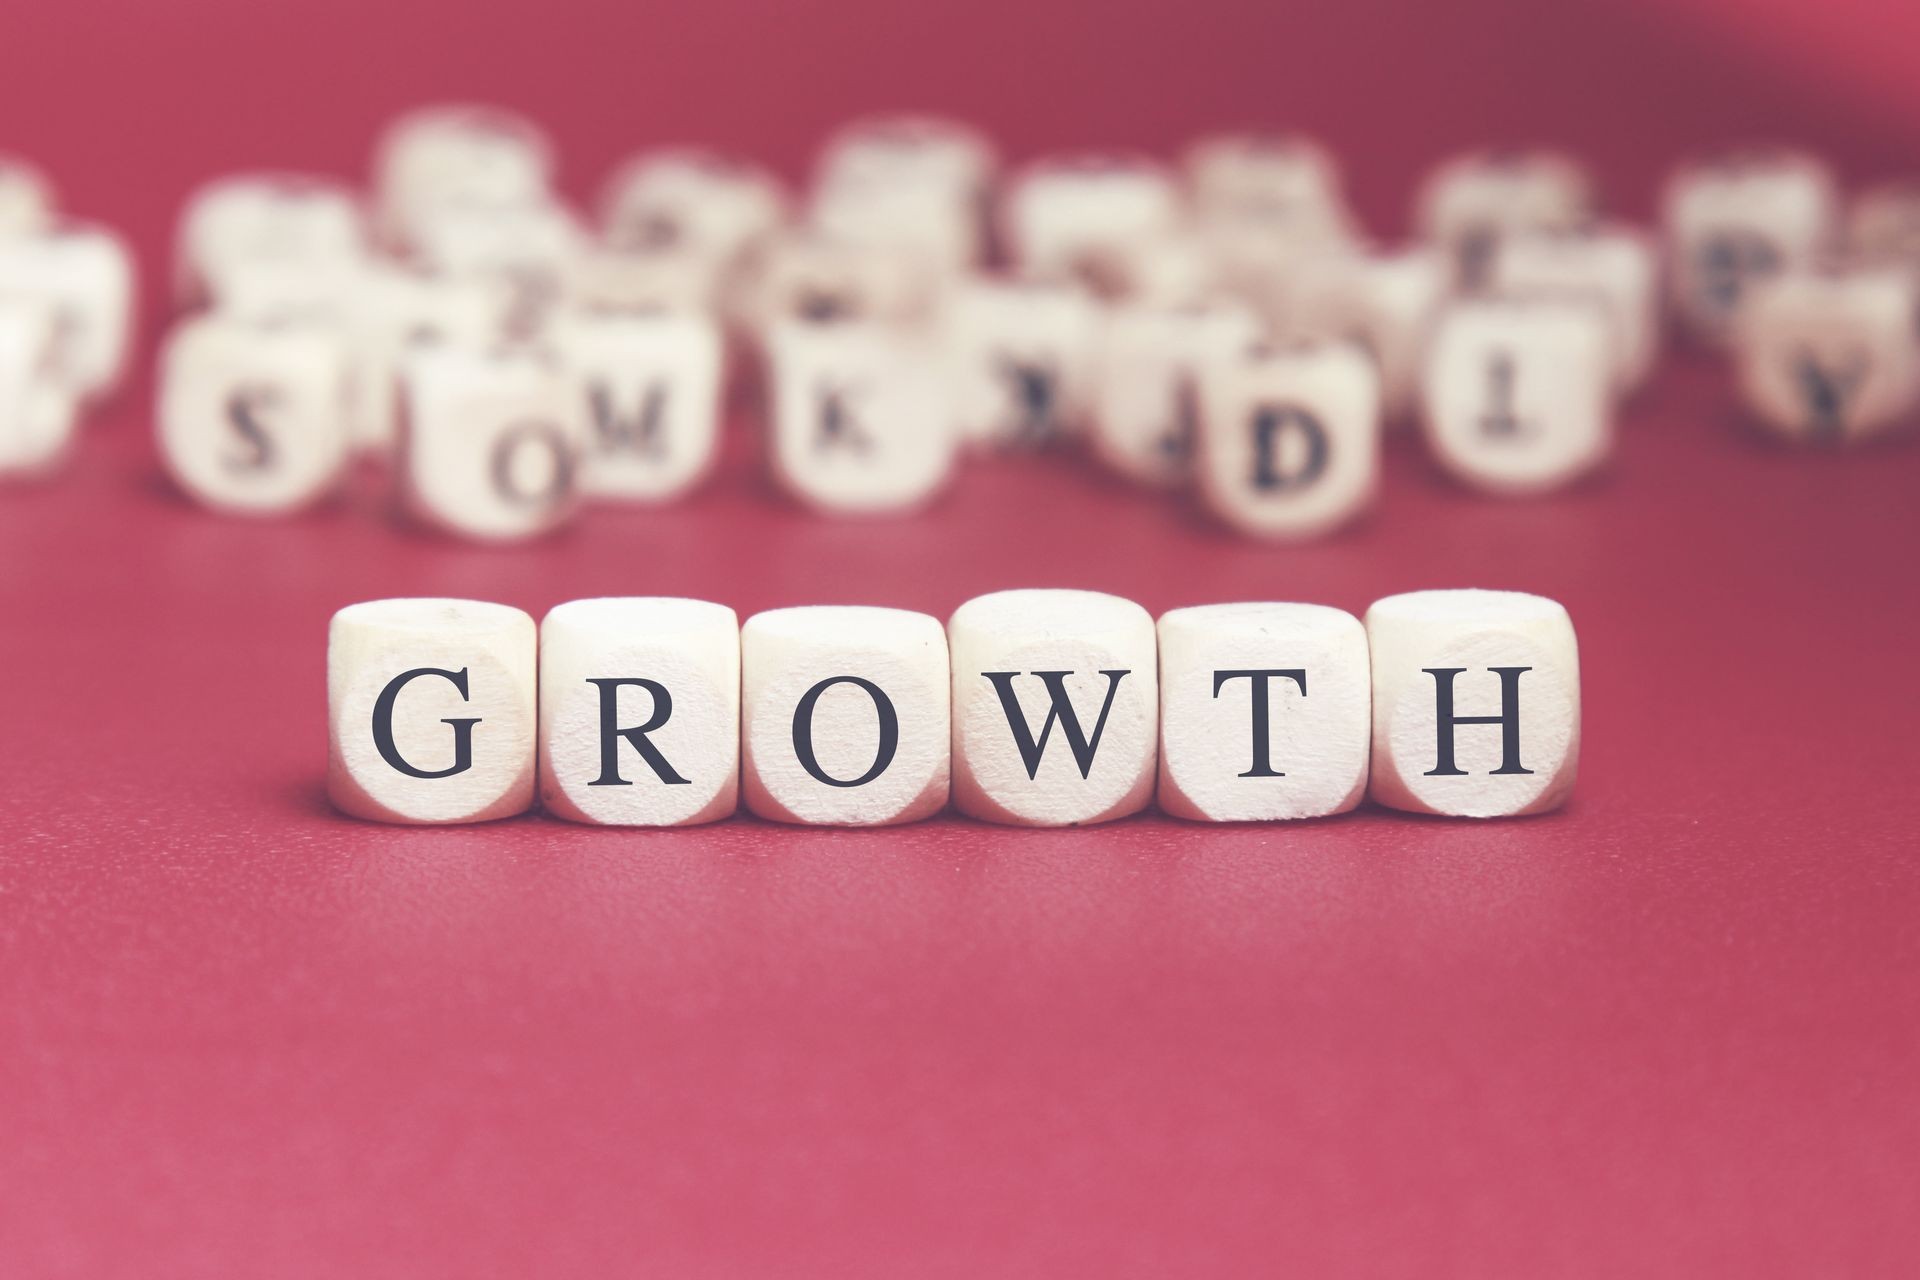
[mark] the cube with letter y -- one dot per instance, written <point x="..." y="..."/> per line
<point x="430" y="711"/>
<point x="1055" y="707"/>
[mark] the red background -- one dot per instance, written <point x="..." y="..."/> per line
<point x="1670" y="1030"/>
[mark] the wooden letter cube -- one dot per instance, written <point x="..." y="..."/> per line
<point x="1472" y="202"/>
<point x="1056" y="707"/>
<point x="36" y="412"/>
<point x="911" y="183"/>
<point x="1739" y="219"/>
<point x="861" y="418"/>
<point x="253" y="417"/>
<point x="493" y="442"/>
<point x="1022" y="361"/>
<point x="1150" y="364"/>
<point x="1825" y="359"/>
<point x="1388" y="303"/>
<point x="1519" y="393"/>
<point x="1290" y="439"/>
<point x="652" y="387"/>
<point x="430" y="711"/>
<point x="1077" y="218"/>
<point x="694" y="202"/>
<point x="844" y="715"/>
<point x="640" y="712"/>
<point x="1613" y="267"/>
<point x="438" y="157"/>
<point x="1265" y="712"/>
<point x="1476" y="703"/>
<point x="264" y="217"/>
<point x="85" y="275"/>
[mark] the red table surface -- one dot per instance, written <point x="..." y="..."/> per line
<point x="1670" y="1030"/>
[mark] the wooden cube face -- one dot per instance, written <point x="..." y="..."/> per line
<point x="271" y="218"/>
<point x="84" y="274"/>
<point x="1830" y="359"/>
<point x="389" y="313"/>
<point x="36" y="413"/>
<point x="493" y="442"/>
<point x="844" y="715"/>
<point x="1734" y="221"/>
<point x="1148" y="372"/>
<point x="430" y="710"/>
<point x="1388" y="303"/>
<point x="456" y="156"/>
<point x="1055" y="707"/>
<point x="1074" y="218"/>
<point x="26" y="198"/>
<point x="1265" y="712"/>
<point x="1473" y="202"/>
<point x="640" y="711"/>
<point x="1290" y="439"/>
<point x="1614" y="267"/>
<point x="1518" y="393"/>
<point x="910" y="183"/>
<point x="652" y="388"/>
<point x="689" y="201"/>
<point x="531" y="253"/>
<point x="1476" y="703"/>
<point x="253" y="417"/>
<point x="1276" y="181"/>
<point x="910" y="150"/>
<point x="861" y="418"/>
<point x="1022" y="357"/>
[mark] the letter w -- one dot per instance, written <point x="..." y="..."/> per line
<point x="1061" y="709"/>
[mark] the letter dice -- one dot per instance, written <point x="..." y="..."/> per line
<point x="36" y="413"/>
<point x="1614" y="267"/>
<point x="84" y="274"/>
<point x="640" y="711"/>
<point x="845" y="715"/>
<point x="1518" y="393"/>
<point x="1265" y="712"/>
<point x="1738" y="219"/>
<point x="438" y="157"/>
<point x="253" y="417"/>
<point x="1083" y="217"/>
<point x="1472" y="202"/>
<point x="862" y="419"/>
<point x="1287" y="184"/>
<point x="493" y="441"/>
<point x="917" y="185"/>
<point x="652" y="387"/>
<point x="694" y="202"/>
<point x="1055" y="707"/>
<point x="266" y="217"/>
<point x="1831" y="358"/>
<point x="1023" y="361"/>
<point x="1290" y="439"/>
<point x="430" y="711"/>
<point x="1388" y="302"/>
<point x="1150" y="364"/>
<point x="1476" y="703"/>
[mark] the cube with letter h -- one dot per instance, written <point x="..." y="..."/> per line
<point x="1476" y="703"/>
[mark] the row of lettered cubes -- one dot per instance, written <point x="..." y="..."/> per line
<point x="1029" y="707"/>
